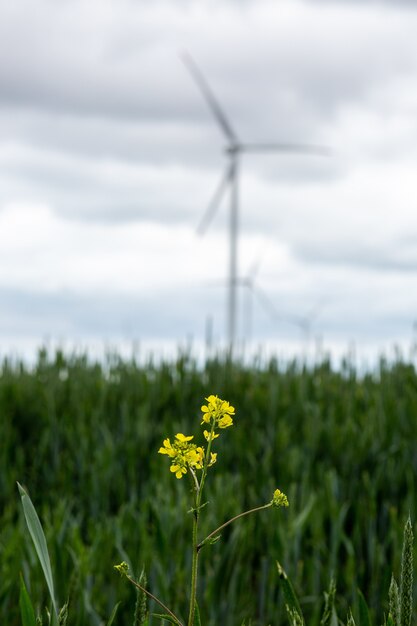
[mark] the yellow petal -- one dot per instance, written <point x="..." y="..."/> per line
<point x="183" y="438"/>
<point x="225" y="421"/>
<point x="213" y="458"/>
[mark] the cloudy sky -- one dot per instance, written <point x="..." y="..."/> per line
<point x="109" y="157"/>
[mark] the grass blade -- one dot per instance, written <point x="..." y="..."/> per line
<point x="289" y="594"/>
<point x="406" y="588"/>
<point x="197" y="620"/>
<point x="113" y="615"/>
<point x="26" y="609"/>
<point x="39" y="541"/>
<point x="329" y="617"/>
<point x="364" y="617"/>
<point x="63" y="615"/>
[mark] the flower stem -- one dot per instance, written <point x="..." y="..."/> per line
<point x="233" y="519"/>
<point x="194" y="569"/>
<point x="148" y="593"/>
<point x="198" y="493"/>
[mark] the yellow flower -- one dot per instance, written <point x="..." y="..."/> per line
<point x="178" y="470"/>
<point x="279" y="498"/>
<point x="209" y="436"/>
<point x="195" y="457"/>
<point x="123" y="568"/>
<point x="184" y="454"/>
<point x="217" y="410"/>
<point x="213" y="458"/>
<point x="225" y="421"/>
<point x="183" y="438"/>
<point x="167" y="449"/>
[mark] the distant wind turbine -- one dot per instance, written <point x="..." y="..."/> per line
<point x="234" y="149"/>
<point x="266" y="303"/>
<point x="303" y="322"/>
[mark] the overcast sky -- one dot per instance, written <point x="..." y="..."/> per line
<point x="109" y="157"/>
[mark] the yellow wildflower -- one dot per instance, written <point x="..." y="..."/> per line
<point x="167" y="449"/>
<point x="195" y="457"/>
<point x="183" y="438"/>
<point x="122" y="568"/>
<point x="184" y="454"/>
<point x="225" y="421"/>
<point x="209" y="436"/>
<point x="279" y="498"/>
<point x="218" y="411"/>
<point x="178" y="470"/>
<point x="213" y="458"/>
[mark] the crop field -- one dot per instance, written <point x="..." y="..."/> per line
<point x="82" y="438"/>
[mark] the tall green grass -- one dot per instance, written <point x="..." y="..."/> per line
<point x="82" y="438"/>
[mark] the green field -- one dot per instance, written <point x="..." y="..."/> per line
<point x="83" y="437"/>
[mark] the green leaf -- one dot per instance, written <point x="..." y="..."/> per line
<point x="214" y="540"/>
<point x="63" y="615"/>
<point x="329" y="617"/>
<point x="406" y="585"/>
<point x="39" y="541"/>
<point x="364" y="617"/>
<point x="350" y="621"/>
<point x="113" y="615"/>
<point x="26" y="609"/>
<point x="197" y="620"/>
<point x="289" y="594"/>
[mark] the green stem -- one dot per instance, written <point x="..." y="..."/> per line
<point x="194" y="569"/>
<point x="233" y="519"/>
<point x="206" y="462"/>
<point x="148" y="593"/>
<point x="198" y="493"/>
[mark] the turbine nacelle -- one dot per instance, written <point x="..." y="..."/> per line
<point x="233" y="149"/>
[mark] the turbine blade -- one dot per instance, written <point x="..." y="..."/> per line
<point x="285" y="147"/>
<point x="209" y="97"/>
<point x="254" y="269"/>
<point x="296" y="320"/>
<point x="266" y="302"/>
<point x="215" y="201"/>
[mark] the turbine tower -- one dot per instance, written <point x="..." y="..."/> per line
<point x="234" y="149"/>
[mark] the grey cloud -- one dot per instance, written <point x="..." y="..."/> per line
<point x="64" y="314"/>
<point x="62" y="65"/>
<point x="388" y="257"/>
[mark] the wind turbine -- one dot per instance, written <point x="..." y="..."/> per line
<point x="234" y="149"/>
<point x="303" y="322"/>
<point x="254" y="290"/>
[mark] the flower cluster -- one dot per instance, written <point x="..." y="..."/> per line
<point x="185" y="455"/>
<point x="122" y="568"/>
<point x="217" y="413"/>
<point x="279" y="498"/>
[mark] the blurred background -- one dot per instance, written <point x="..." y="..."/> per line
<point x="110" y="156"/>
